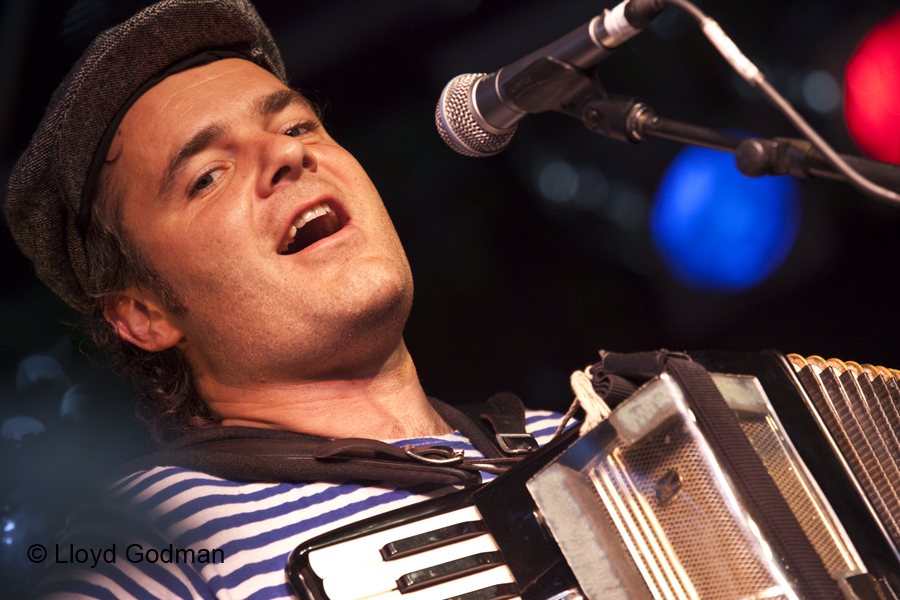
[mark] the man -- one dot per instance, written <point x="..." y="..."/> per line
<point x="238" y="262"/>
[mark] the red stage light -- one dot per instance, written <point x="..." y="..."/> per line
<point x="872" y="92"/>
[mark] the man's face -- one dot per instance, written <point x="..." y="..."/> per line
<point x="218" y="164"/>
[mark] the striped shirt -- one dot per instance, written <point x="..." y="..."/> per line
<point x="170" y="532"/>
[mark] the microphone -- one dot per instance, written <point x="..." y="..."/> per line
<point x="477" y="114"/>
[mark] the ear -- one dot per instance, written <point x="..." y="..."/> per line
<point x="138" y="317"/>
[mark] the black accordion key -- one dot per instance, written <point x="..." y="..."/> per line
<point x="432" y="539"/>
<point x="448" y="571"/>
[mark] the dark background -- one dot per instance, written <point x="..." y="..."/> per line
<point x="512" y="292"/>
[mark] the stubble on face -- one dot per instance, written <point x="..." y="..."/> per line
<point x="254" y="316"/>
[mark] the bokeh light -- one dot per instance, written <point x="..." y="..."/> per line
<point x="872" y="92"/>
<point x="820" y="91"/>
<point x="717" y="229"/>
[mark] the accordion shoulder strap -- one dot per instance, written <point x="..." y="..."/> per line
<point x="774" y="515"/>
<point x="268" y="455"/>
<point x="719" y="423"/>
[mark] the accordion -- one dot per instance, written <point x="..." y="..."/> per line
<point x="643" y="506"/>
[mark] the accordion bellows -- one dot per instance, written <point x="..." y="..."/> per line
<point x="858" y="405"/>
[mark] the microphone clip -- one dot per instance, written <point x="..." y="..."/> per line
<point x="550" y="84"/>
<point x="615" y="117"/>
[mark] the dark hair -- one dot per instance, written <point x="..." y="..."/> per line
<point x="168" y="395"/>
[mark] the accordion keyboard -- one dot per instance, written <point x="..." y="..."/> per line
<point x="447" y="556"/>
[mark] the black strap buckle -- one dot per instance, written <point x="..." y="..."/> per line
<point x="517" y="443"/>
<point x="435" y="455"/>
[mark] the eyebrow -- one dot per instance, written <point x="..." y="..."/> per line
<point x="201" y="140"/>
<point x="278" y="101"/>
<point x="261" y="107"/>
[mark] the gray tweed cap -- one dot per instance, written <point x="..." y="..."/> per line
<point x="50" y="187"/>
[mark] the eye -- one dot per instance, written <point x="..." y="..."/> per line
<point x="206" y="180"/>
<point x="301" y="129"/>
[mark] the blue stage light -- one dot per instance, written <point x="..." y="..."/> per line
<point x="717" y="229"/>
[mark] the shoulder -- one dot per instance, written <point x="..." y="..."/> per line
<point x="170" y="532"/>
<point x="542" y="424"/>
<point x="143" y="538"/>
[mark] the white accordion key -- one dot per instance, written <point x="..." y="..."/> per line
<point x="354" y="554"/>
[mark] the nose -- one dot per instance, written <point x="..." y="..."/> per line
<point x="284" y="160"/>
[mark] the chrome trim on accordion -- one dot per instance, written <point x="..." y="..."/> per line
<point x="696" y="542"/>
<point x="641" y="508"/>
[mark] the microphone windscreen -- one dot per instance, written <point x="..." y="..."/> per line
<point x="457" y="125"/>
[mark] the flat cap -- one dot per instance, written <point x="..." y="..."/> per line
<point x="51" y="186"/>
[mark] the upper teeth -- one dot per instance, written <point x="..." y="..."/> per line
<point x="305" y="217"/>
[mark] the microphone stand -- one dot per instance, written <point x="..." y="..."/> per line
<point x="633" y="121"/>
<point x="550" y="84"/>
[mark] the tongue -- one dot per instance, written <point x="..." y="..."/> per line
<point x="312" y="232"/>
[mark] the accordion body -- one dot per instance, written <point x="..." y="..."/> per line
<point x="643" y="506"/>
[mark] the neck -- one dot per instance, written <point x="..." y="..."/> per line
<point x="386" y="403"/>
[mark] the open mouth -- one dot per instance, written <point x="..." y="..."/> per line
<point x="312" y="225"/>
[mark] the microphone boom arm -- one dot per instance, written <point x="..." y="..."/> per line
<point x="633" y="121"/>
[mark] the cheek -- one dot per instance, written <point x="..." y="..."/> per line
<point x="354" y="178"/>
<point x="195" y="247"/>
<point x="344" y="167"/>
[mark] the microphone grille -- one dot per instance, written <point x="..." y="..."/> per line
<point x="457" y="125"/>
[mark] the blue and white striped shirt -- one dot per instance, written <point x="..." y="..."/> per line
<point x="170" y="532"/>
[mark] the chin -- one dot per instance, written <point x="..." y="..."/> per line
<point x="387" y="310"/>
<point x="377" y="291"/>
<point x="354" y="321"/>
